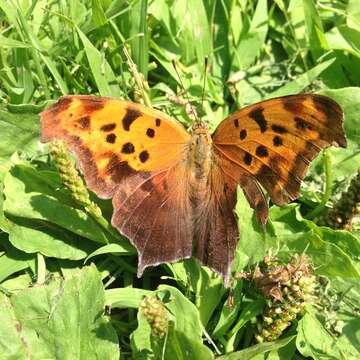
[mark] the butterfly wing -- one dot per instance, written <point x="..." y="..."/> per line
<point x="135" y="155"/>
<point x="114" y="139"/>
<point x="273" y="142"/>
<point x="217" y="230"/>
<point x="154" y="212"/>
<point x="270" y="144"/>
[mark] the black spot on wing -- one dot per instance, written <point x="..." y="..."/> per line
<point x="111" y="138"/>
<point x="84" y="122"/>
<point x="301" y="124"/>
<point x="236" y="123"/>
<point x="327" y="106"/>
<point x="108" y="127"/>
<point x="62" y="105"/>
<point x="91" y="103"/>
<point x="248" y="159"/>
<point x="144" y="156"/>
<point x="128" y="148"/>
<point x="150" y="132"/>
<point x="243" y="134"/>
<point x="277" y="141"/>
<point x="118" y="169"/>
<point x="262" y="151"/>
<point x="278" y="129"/>
<point x="258" y="116"/>
<point x="130" y="116"/>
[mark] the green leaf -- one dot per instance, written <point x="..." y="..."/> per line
<point x="139" y="35"/>
<point x="14" y="261"/>
<point x="314" y="341"/>
<point x="229" y="313"/>
<point x="50" y="241"/>
<point x="254" y="241"/>
<point x="120" y="249"/>
<point x="11" y="43"/>
<point x="200" y="28"/>
<point x="207" y="286"/>
<point x="98" y="14"/>
<point x="344" y="240"/>
<point x="251" y="42"/>
<point x="123" y="298"/>
<point x="31" y="194"/>
<point x="345" y="161"/>
<point x="353" y="14"/>
<point x="55" y="73"/>
<point x="255" y="350"/>
<point x="184" y="339"/>
<point x="349" y="99"/>
<point x="298" y="235"/>
<point x="141" y="343"/>
<point x="16" y="134"/>
<point x="250" y="310"/>
<point x="63" y="317"/>
<point x="349" y="340"/>
<point x="17" y="283"/>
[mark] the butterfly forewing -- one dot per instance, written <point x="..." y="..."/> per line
<point x="275" y="140"/>
<point x="114" y="139"/>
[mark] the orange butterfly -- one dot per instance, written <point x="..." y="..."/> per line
<point x="174" y="192"/>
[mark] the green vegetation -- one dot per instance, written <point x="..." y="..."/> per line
<point x="68" y="280"/>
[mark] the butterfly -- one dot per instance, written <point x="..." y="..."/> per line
<point x="174" y="191"/>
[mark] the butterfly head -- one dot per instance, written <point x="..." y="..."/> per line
<point x="200" y="133"/>
<point x="199" y="127"/>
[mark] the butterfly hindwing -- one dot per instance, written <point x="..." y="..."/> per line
<point x="154" y="212"/>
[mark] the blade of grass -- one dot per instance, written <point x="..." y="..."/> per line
<point x="317" y="40"/>
<point x="34" y="52"/>
<point x="139" y="36"/>
<point x="250" y="43"/>
<point x="54" y="71"/>
<point x="100" y="68"/>
<point x="302" y="81"/>
<point x="98" y="14"/>
<point x="11" y="43"/>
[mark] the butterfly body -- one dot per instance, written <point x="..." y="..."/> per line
<point x="174" y="193"/>
<point x="200" y="160"/>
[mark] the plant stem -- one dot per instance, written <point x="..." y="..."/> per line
<point x="328" y="185"/>
<point x="138" y="79"/>
<point x="40" y="269"/>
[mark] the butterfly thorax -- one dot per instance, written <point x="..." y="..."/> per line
<point x="199" y="162"/>
<point x="200" y="152"/>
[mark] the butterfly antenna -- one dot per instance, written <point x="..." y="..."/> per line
<point x="193" y="111"/>
<point x="204" y="84"/>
